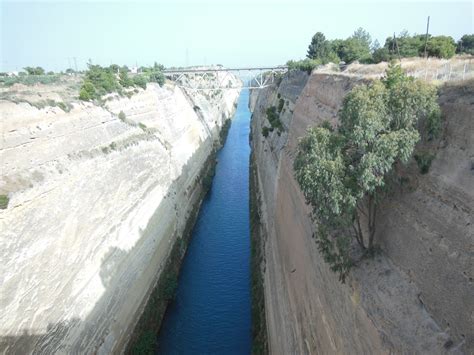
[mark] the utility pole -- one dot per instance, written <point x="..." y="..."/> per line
<point x="426" y="37"/>
<point x="398" y="49"/>
<point x="75" y="64"/>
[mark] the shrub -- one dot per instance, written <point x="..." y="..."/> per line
<point x="88" y="91"/>
<point x="441" y="47"/>
<point x="140" y="80"/>
<point x="381" y="55"/>
<point x="34" y="71"/>
<point x="122" y="116"/>
<point x="266" y="130"/>
<point x="146" y="344"/>
<point x="342" y="171"/>
<point x="273" y="118"/>
<point x="281" y="103"/>
<point x="466" y="44"/>
<point x="4" y="202"/>
<point x="306" y="65"/>
<point x="424" y="159"/>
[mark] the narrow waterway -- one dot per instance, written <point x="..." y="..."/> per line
<point x="211" y="312"/>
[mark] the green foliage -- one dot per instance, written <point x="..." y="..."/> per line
<point x="413" y="46"/>
<point x="170" y="286"/>
<point x="466" y="44"/>
<point x="4" y="202"/>
<point x="66" y="107"/>
<point x="356" y="47"/>
<point x="381" y="55"/>
<point x="124" y="79"/>
<point x="424" y="159"/>
<point x="274" y="118"/>
<point x="441" y="47"/>
<point x="140" y="80"/>
<point x="281" y="103"/>
<point x="29" y="79"/>
<point x="266" y="131"/>
<point x="321" y="50"/>
<point x="306" y="65"/>
<point x="146" y="344"/>
<point x="99" y="81"/>
<point x="409" y="46"/>
<point x="342" y="171"/>
<point x="157" y="77"/>
<point x="34" y="70"/>
<point x="122" y="116"/>
<point x="87" y="91"/>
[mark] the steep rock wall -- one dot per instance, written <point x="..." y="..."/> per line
<point x="97" y="201"/>
<point x="400" y="301"/>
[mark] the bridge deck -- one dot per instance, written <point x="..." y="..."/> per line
<point x="211" y="70"/>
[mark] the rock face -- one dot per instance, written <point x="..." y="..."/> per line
<point x="416" y="295"/>
<point x="97" y="200"/>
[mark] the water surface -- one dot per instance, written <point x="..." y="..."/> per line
<point x="211" y="312"/>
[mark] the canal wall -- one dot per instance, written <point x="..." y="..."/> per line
<point x="99" y="196"/>
<point x="414" y="296"/>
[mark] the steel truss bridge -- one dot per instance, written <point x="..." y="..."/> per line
<point x="219" y="78"/>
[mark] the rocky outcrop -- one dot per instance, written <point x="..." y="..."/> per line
<point x="413" y="297"/>
<point x="98" y="197"/>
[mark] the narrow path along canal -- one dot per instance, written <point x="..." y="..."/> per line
<point x="211" y="312"/>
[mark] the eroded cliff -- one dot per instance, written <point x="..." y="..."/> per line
<point x="98" y="196"/>
<point x="413" y="297"/>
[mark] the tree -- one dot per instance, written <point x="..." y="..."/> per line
<point x="356" y="47"/>
<point x="140" y="80"/>
<point x="87" y="92"/>
<point x="466" y="44"/>
<point x="441" y="47"/>
<point x="34" y="70"/>
<point x="342" y="171"/>
<point x="318" y="47"/>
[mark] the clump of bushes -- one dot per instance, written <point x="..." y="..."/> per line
<point x="306" y="65"/>
<point x="122" y="116"/>
<point x="99" y="81"/>
<point x="274" y="118"/>
<point x="29" y="79"/>
<point x="4" y="202"/>
<point x="266" y="131"/>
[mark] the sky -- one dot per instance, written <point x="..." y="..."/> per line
<point x="180" y="33"/>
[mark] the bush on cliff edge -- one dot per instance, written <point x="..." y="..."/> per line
<point x="342" y="170"/>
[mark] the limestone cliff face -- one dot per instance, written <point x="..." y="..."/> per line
<point x="97" y="200"/>
<point x="416" y="296"/>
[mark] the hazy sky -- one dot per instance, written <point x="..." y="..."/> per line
<point x="176" y="33"/>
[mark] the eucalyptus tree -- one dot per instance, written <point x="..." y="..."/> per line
<point x="342" y="170"/>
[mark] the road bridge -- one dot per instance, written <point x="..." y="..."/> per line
<point x="220" y="78"/>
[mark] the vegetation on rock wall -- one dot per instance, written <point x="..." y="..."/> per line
<point x="342" y="171"/>
<point x="259" y="325"/>
<point x="4" y="201"/>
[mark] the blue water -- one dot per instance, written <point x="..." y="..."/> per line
<point x="211" y="311"/>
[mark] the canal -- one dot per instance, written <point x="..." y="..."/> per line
<point x="211" y="312"/>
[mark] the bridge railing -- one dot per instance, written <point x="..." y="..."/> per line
<point x="219" y="78"/>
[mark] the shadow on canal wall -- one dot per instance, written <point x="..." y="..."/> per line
<point x="140" y="334"/>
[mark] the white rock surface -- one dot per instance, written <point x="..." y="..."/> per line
<point x="95" y="206"/>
